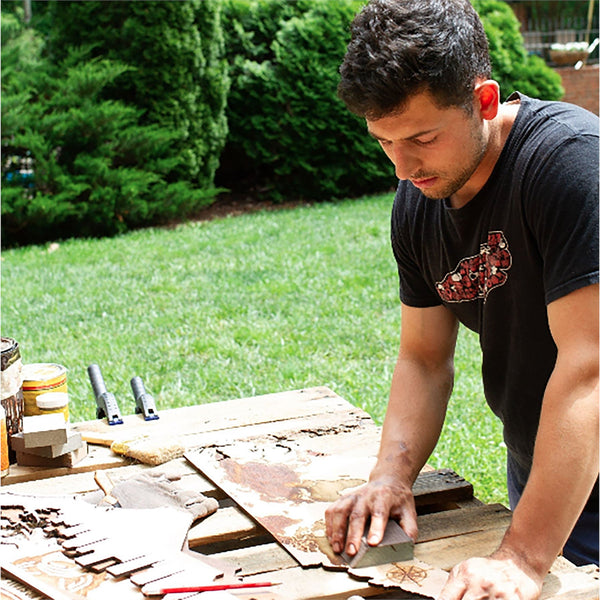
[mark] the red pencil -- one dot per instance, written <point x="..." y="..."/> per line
<point x="215" y="587"/>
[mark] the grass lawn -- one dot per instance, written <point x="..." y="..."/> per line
<point x="240" y="306"/>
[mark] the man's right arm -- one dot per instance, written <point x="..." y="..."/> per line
<point x="421" y="386"/>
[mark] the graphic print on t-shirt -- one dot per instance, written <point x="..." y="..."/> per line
<point x="476" y="276"/>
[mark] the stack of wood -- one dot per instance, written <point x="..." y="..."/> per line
<point x="47" y="441"/>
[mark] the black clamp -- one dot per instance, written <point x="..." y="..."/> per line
<point x="144" y="402"/>
<point x="106" y="404"/>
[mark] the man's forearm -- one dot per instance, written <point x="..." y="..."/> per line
<point x="565" y="467"/>
<point x="414" y="418"/>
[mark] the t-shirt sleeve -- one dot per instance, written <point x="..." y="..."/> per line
<point x="414" y="290"/>
<point x="562" y="211"/>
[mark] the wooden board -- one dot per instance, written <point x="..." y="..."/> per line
<point x="230" y="415"/>
<point x="75" y="542"/>
<point x="205" y="424"/>
<point x="285" y="482"/>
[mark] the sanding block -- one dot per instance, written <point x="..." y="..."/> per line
<point x="395" y="546"/>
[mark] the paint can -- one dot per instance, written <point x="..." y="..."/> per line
<point x="41" y="378"/>
<point x="11" y="382"/>
<point x="53" y="402"/>
<point x="4" y="461"/>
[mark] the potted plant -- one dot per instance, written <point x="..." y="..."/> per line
<point x="569" y="53"/>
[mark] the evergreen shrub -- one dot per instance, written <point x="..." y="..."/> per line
<point x="116" y="138"/>
<point x="289" y="134"/>
<point x="512" y="67"/>
<point x="178" y="75"/>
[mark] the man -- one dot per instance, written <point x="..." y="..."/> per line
<point x="494" y="225"/>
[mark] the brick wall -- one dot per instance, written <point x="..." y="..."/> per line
<point x="581" y="87"/>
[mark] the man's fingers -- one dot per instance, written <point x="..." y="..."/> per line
<point x="336" y="523"/>
<point x="356" y="528"/>
<point x="408" y="521"/>
<point x="377" y="529"/>
<point x="453" y="590"/>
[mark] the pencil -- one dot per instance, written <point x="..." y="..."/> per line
<point x="215" y="587"/>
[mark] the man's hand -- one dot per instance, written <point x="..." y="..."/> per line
<point x="499" y="577"/>
<point x="379" y="500"/>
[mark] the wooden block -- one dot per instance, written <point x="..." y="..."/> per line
<point x="395" y="546"/>
<point x="65" y="460"/>
<point x="74" y="442"/>
<point x="440" y="486"/>
<point x="44" y="430"/>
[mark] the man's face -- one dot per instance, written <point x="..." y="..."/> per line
<point x="437" y="149"/>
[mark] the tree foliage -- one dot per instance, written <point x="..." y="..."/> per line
<point x="115" y="139"/>
<point x="512" y="67"/>
<point x="116" y="114"/>
<point x="290" y="136"/>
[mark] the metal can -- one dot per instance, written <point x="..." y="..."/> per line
<point x="4" y="461"/>
<point x="41" y="378"/>
<point x="11" y="385"/>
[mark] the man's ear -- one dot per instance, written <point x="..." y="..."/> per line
<point x="487" y="96"/>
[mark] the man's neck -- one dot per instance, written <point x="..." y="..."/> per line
<point x="497" y="133"/>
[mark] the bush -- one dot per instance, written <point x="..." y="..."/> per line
<point x="73" y="162"/>
<point x="290" y="136"/>
<point x="116" y="140"/>
<point x="289" y="133"/>
<point x="512" y="67"/>
<point x="178" y="75"/>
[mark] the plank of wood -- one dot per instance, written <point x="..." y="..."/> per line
<point x="98" y="458"/>
<point x="441" y="486"/>
<point x="316" y="409"/>
<point x="68" y="459"/>
<point x="434" y="526"/>
<point x="229" y="414"/>
<point x="35" y="583"/>
<point x="447" y="552"/>
<point x="226" y="524"/>
<point x="262" y="558"/>
<point x="74" y="441"/>
<point x="233" y="523"/>
<point x="450" y="523"/>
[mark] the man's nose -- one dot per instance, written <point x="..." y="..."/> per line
<point x="405" y="162"/>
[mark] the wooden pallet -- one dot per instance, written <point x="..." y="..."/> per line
<point x="451" y="527"/>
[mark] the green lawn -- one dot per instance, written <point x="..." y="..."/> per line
<point x="240" y="306"/>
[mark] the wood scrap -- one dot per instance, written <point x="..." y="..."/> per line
<point x="68" y="459"/>
<point x="74" y="442"/>
<point x="103" y="538"/>
<point x="44" y="430"/>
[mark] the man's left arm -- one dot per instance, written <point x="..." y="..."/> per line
<point x="565" y="463"/>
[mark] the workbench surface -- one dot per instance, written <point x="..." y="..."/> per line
<point x="453" y="525"/>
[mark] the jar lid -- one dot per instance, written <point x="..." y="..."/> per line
<point x="42" y="372"/>
<point x="51" y="400"/>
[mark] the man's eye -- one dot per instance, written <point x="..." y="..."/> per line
<point x="425" y="142"/>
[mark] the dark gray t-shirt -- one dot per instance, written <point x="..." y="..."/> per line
<point x="528" y="238"/>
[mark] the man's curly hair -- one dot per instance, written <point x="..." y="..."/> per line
<point x="402" y="47"/>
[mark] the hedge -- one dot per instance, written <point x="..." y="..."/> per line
<point x="128" y="107"/>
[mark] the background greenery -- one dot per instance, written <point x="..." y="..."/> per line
<point x="258" y="303"/>
<point x="124" y="108"/>
<point x="120" y="106"/>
